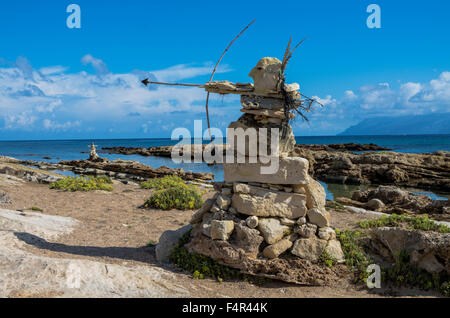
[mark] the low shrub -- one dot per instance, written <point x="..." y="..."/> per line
<point x="162" y="183"/>
<point x="327" y="259"/>
<point x="172" y="193"/>
<point x="83" y="184"/>
<point x="200" y="265"/>
<point x="413" y="222"/>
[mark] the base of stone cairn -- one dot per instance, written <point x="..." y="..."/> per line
<point x="278" y="231"/>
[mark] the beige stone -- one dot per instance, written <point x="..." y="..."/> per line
<point x="223" y="202"/>
<point x="316" y="196"/>
<point x="260" y="102"/>
<point x="326" y="233"/>
<point x="252" y="221"/>
<point x="265" y="112"/>
<point x="306" y="230"/>
<point x="197" y="217"/>
<point x="266" y="74"/>
<point x="291" y="170"/>
<point x="275" y="250"/>
<point x="272" y="230"/>
<point x="319" y="217"/>
<point x="309" y="248"/>
<point x="288" y="222"/>
<point x="244" y="137"/>
<point x="265" y="203"/>
<point x="221" y="230"/>
<point x="241" y="188"/>
<point x="334" y="250"/>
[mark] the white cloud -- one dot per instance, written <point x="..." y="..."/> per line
<point x="52" y="125"/>
<point x="98" y="65"/>
<point x="183" y="71"/>
<point x="378" y="100"/>
<point x="52" y="70"/>
<point x="59" y="100"/>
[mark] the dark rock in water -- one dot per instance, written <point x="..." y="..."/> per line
<point x="424" y="171"/>
<point x="135" y="169"/>
<point x="335" y="164"/>
<point x="48" y="158"/>
<point x="391" y="199"/>
<point x="4" y="198"/>
<point x="344" y="147"/>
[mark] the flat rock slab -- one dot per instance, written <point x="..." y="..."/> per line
<point x="24" y="274"/>
<point x="291" y="170"/>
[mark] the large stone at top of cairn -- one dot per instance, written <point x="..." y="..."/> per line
<point x="281" y="226"/>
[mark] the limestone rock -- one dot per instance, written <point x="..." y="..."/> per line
<point x="309" y="248"/>
<point x="226" y="192"/>
<point x="292" y="270"/>
<point x="259" y="102"/>
<point x="246" y="239"/>
<point x="301" y="220"/>
<point x="266" y="74"/>
<point x="306" y="230"/>
<point x="206" y="229"/>
<point x="318" y="217"/>
<point x="223" y="202"/>
<point x="375" y="204"/>
<point x="288" y="222"/>
<point x="272" y="230"/>
<point x="255" y="127"/>
<point x="291" y="170"/>
<point x="326" y="233"/>
<point x="167" y="242"/>
<point x="315" y="193"/>
<point x="197" y="217"/>
<point x="265" y="112"/>
<point x="241" y="188"/>
<point x="252" y="221"/>
<point x="275" y="250"/>
<point x="428" y="250"/>
<point x="334" y="250"/>
<point x="266" y="203"/>
<point x="221" y="230"/>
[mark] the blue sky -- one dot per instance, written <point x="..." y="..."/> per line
<point x="57" y="82"/>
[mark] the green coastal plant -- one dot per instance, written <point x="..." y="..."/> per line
<point x="162" y="183"/>
<point x="402" y="273"/>
<point x="412" y="222"/>
<point x="83" y="184"/>
<point x="172" y="193"/>
<point x="35" y="208"/>
<point x="200" y="265"/>
<point x="327" y="259"/>
<point x="355" y="256"/>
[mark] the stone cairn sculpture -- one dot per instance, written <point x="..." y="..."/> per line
<point x="271" y="225"/>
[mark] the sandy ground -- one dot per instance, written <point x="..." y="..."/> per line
<point x="114" y="229"/>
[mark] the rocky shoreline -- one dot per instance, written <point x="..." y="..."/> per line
<point x="118" y="169"/>
<point x="337" y="163"/>
<point x="165" y="151"/>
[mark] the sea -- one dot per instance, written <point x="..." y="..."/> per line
<point x="56" y="150"/>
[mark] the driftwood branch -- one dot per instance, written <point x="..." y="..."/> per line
<point x="214" y="71"/>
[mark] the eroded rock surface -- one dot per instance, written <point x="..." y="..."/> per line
<point x="24" y="274"/>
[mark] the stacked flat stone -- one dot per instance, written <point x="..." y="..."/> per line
<point x="257" y="217"/>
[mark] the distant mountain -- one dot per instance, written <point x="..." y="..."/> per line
<point x="402" y="125"/>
